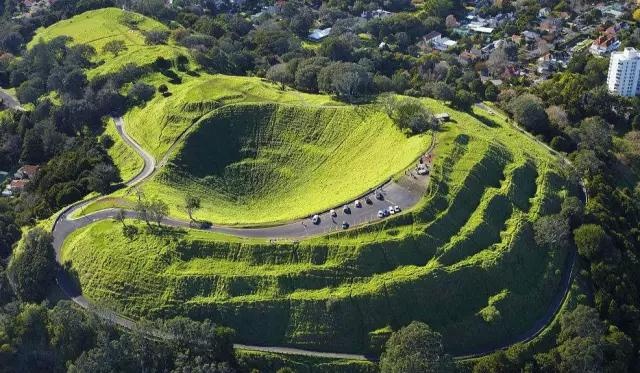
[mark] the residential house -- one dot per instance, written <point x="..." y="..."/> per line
<point x="467" y="58"/>
<point x="378" y="13"/>
<point x="544" y="12"/>
<point x="604" y="44"/>
<point x="530" y="36"/>
<point x="443" y="43"/>
<point x="319" y="34"/>
<point x="26" y="172"/>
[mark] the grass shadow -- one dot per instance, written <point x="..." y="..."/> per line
<point x="486" y="121"/>
<point x="69" y="279"/>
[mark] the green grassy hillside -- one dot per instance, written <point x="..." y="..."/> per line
<point x="97" y="27"/>
<point x="262" y="163"/>
<point x="464" y="261"/>
<point x="157" y="125"/>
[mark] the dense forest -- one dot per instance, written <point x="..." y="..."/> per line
<point x="572" y="111"/>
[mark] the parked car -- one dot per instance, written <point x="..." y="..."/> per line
<point x="345" y="225"/>
<point x="423" y="170"/>
<point x="346" y="209"/>
<point x="368" y="201"/>
<point x="380" y="214"/>
<point x="379" y="195"/>
<point x="357" y="203"/>
<point x="315" y="219"/>
<point x="391" y="210"/>
<point x="333" y="213"/>
<point x="385" y="212"/>
<point x="396" y="208"/>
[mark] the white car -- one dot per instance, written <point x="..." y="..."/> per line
<point x="333" y="213"/>
<point x="396" y="208"/>
<point x="391" y="210"/>
<point x="315" y="219"/>
<point x="357" y="203"/>
<point x="423" y="170"/>
<point x="380" y="214"/>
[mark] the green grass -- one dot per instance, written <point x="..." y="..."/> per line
<point x="97" y="27"/>
<point x="128" y="162"/>
<point x="262" y="163"/>
<point x="464" y="261"/>
<point x="158" y="125"/>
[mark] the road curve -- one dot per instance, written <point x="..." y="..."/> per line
<point x="148" y="159"/>
<point x="401" y="193"/>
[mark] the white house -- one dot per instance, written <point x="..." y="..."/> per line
<point x="319" y="34"/>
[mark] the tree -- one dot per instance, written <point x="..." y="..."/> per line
<point x="280" y="73"/>
<point x="9" y="230"/>
<point x="442" y="91"/>
<point x="595" y="135"/>
<point x="552" y="231"/>
<point x="592" y="241"/>
<point x="162" y="88"/>
<point x="114" y="47"/>
<point x="33" y="269"/>
<point x="191" y="203"/>
<point x="409" y="114"/>
<point x="557" y="117"/>
<point x="463" y="99"/>
<point x="143" y="210"/>
<point x="415" y="348"/>
<point x="348" y="81"/>
<point x="155" y="37"/>
<point x="140" y="93"/>
<point x="158" y="210"/>
<point x="121" y="216"/>
<point x="32" y="148"/>
<point x="527" y="110"/>
<point x="581" y="341"/>
<point x="497" y="61"/>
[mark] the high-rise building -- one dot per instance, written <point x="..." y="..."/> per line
<point x="624" y="73"/>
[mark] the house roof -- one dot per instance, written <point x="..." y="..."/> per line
<point x="18" y="184"/>
<point x="317" y="34"/>
<point x="29" y="170"/>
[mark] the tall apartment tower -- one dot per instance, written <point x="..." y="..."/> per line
<point x="624" y="73"/>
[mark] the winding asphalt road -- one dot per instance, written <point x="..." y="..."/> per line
<point x="405" y="193"/>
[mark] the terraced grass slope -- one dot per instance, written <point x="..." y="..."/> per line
<point x="464" y="261"/>
<point x="98" y="27"/>
<point x="263" y="163"/>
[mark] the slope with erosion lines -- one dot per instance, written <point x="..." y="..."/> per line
<point x="266" y="163"/>
<point x="98" y="27"/>
<point x="158" y="124"/>
<point x="331" y="293"/>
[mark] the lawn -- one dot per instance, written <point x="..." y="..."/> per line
<point x="264" y="163"/>
<point x="464" y="260"/>
<point x="97" y="27"/>
<point x="157" y="125"/>
<point x="128" y="162"/>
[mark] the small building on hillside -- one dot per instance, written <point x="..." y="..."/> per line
<point x="604" y="44"/>
<point x="319" y="34"/>
<point x="27" y="171"/>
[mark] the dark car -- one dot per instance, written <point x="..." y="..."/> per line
<point x="345" y="225"/>
<point x="367" y="200"/>
<point x="346" y="209"/>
